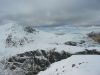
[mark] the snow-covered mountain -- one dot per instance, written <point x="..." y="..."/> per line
<point x="17" y="39"/>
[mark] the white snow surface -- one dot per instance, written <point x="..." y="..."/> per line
<point x="90" y="65"/>
<point x="82" y="65"/>
<point x="42" y="40"/>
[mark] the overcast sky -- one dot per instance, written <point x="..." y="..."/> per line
<point x="50" y="12"/>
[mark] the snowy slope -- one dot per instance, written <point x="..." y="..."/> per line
<point x="34" y="40"/>
<point x="75" y="65"/>
<point x="39" y="40"/>
<point x="22" y="41"/>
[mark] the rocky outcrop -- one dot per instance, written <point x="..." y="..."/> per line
<point x="33" y="62"/>
<point x="71" y="43"/>
<point x="30" y="29"/>
<point x="13" y="42"/>
<point x="88" y="52"/>
<point x="15" y="39"/>
<point x="95" y="36"/>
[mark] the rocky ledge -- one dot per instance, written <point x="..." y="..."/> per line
<point x="32" y="62"/>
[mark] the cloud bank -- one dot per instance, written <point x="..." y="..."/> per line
<point x="50" y="12"/>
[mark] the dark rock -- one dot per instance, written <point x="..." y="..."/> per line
<point x="65" y="55"/>
<point x="80" y="63"/>
<point x="82" y="41"/>
<point x="95" y="36"/>
<point x="33" y="62"/>
<point x="31" y="73"/>
<point x="13" y="67"/>
<point x="21" y="55"/>
<point x="54" y="56"/>
<point x="88" y="52"/>
<point x="44" y="53"/>
<point x="29" y="29"/>
<point x="71" y="43"/>
<point x="37" y="53"/>
<point x="16" y="64"/>
<point x="10" y="60"/>
<point x="73" y="65"/>
<point x="21" y="60"/>
<point x="28" y="54"/>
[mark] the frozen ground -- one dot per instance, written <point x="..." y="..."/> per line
<point x="75" y="65"/>
<point x="53" y="37"/>
<point x="47" y="38"/>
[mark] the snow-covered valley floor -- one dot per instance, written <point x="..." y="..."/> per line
<point x="15" y="40"/>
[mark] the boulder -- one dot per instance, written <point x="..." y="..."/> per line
<point x="71" y="43"/>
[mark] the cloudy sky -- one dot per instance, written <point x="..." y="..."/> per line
<point x="50" y="12"/>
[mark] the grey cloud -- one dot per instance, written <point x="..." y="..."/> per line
<point x="50" y="12"/>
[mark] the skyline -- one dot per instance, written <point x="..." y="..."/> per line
<point x="50" y="12"/>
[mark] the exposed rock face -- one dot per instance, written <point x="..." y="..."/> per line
<point x="81" y="42"/>
<point x="95" y="36"/>
<point x="88" y="52"/>
<point x="12" y="42"/>
<point x="71" y="43"/>
<point x="29" y="29"/>
<point x="15" y="39"/>
<point x="34" y="61"/>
